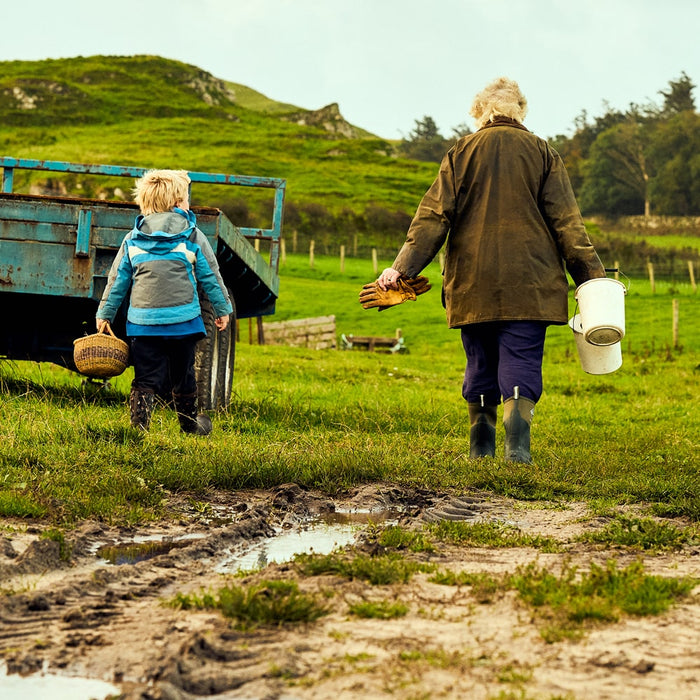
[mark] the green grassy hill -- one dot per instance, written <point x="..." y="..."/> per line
<point x="257" y="102"/>
<point x="153" y="112"/>
<point x="108" y="90"/>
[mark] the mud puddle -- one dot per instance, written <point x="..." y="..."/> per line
<point x="319" y="535"/>
<point x="101" y="615"/>
<point x="313" y="535"/>
<point x="42" y="686"/>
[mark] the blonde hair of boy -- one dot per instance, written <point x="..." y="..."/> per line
<point x="502" y="98"/>
<point x="161" y="190"/>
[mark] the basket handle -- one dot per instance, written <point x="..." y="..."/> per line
<point x="106" y="329"/>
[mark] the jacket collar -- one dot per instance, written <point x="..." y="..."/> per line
<point x="503" y="121"/>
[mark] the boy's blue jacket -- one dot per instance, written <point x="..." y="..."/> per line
<point x="162" y="260"/>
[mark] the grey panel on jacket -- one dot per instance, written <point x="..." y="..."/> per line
<point x="151" y="288"/>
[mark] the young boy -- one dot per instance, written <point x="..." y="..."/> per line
<point x="162" y="260"/>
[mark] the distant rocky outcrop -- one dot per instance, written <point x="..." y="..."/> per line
<point x="213" y="91"/>
<point x="328" y="118"/>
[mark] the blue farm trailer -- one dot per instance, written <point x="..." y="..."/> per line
<point x="56" y="252"/>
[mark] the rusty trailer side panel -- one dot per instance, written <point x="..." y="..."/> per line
<point x="58" y="246"/>
<point x="65" y="247"/>
<point x="56" y="252"/>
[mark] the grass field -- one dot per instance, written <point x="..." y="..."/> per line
<point x="333" y="419"/>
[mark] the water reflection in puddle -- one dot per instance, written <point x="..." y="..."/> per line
<point x="42" y="686"/>
<point x="335" y="530"/>
<point x="319" y="539"/>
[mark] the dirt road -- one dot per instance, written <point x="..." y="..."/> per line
<point x="66" y="609"/>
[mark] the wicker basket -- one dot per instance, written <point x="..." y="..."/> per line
<point x="101" y="354"/>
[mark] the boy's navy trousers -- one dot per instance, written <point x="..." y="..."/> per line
<point x="163" y="364"/>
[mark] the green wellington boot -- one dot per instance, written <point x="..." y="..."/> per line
<point x="517" y="416"/>
<point x="482" y="434"/>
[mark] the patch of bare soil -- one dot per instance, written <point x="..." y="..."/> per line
<point x="65" y="609"/>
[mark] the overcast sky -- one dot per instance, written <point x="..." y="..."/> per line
<point x="388" y="63"/>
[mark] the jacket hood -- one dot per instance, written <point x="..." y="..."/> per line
<point x="162" y="230"/>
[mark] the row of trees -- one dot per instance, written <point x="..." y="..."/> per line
<point x="644" y="160"/>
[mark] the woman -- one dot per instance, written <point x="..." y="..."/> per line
<point x="504" y="205"/>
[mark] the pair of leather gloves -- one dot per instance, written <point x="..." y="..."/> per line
<point x="373" y="296"/>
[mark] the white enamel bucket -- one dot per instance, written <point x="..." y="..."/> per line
<point x="595" y="359"/>
<point x="601" y="303"/>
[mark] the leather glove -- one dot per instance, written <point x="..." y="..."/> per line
<point x="419" y="285"/>
<point x="372" y="295"/>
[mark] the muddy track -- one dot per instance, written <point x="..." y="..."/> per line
<point x="66" y="610"/>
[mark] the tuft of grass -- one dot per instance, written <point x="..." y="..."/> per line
<point x="17" y="505"/>
<point x="438" y="658"/>
<point x="399" y="538"/>
<point x="568" y="601"/>
<point x="514" y="673"/>
<point x="380" y="610"/>
<point x="521" y="694"/>
<point x="484" y="587"/>
<point x="640" y="533"/>
<point x="64" y="548"/>
<point x="381" y="570"/>
<point x="489" y="534"/>
<point x="264" y="603"/>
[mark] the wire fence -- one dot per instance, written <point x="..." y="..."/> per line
<point x="666" y="265"/>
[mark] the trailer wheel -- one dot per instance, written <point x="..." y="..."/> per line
<point x="214" y="361"/>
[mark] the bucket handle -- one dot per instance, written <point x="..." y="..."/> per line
<point x="628" y="282"/>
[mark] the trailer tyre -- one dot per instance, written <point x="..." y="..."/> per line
<point x="214" y="360"/>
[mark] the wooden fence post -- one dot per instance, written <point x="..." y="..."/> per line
<point x="342" y="258"/>
<point x="617" y="270"/>
<point x="312" y="245"/>
<point x="691" y="272"/>
<point x="295" y="240"/>
<point x="283" y="251"/>
<point x="375" y="265"/>
<point x="650" y="268"/>
<point x="676" y="317"/>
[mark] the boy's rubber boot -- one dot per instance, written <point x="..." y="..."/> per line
<point x="482" y="434"/>
<point x="517" y="416"/>
<point x="190" y="421"/>
<point x="140" y="408"/>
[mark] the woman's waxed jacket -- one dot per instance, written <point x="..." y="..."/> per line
<point x="503" y="202"/>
